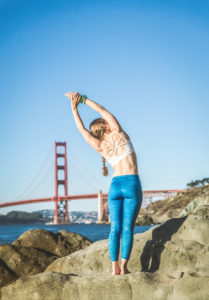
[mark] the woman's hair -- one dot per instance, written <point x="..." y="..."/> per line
<point x="98" y="128"/>
<point x="104" y="168"/>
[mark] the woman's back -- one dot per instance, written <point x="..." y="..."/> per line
<point x="119" y="151"/>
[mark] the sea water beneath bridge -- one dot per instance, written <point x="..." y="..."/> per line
<point x="94" y="232"/>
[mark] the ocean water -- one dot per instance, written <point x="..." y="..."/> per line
<point x="94" y="232"/>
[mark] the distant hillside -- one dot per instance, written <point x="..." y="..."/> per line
<point x="46" y="215"/>
<point x="181" y="204"/>
<point x="22" y="217"/>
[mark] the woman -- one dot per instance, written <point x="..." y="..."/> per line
<point x="125" y="193"/>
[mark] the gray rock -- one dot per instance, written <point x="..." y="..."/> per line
<point x="195" y="205"/>
<point x="146" y="252"/>
<point x="139" y="285"/>
<point x="6" y="274"/>
<point x="34" y="250"/>
<point x="60" y="244"/>
<point x="24" y="260"/>
<point x="144" y="220"/>
<point x="178" y="206"/>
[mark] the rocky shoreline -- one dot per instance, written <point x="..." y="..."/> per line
<point x="34" y="250"/>
<point x="168" y="262"/>
<point x="160" y="211"/>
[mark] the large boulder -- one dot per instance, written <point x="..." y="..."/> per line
<point x="34" y="250"/>
<point x="60" y="244"/>
<point x="24" y="260"/>
<point x="191" y="285"/>
<point x="95" y="259"/>
<point x="178" y="244"/>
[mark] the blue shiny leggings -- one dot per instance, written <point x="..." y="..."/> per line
<point x="124" y="202"/>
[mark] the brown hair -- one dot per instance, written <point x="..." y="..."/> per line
<point x="98" y="128"/>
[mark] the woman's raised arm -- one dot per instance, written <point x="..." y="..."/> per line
<point x="89" y="138"/>
<point x="108" y="116"/>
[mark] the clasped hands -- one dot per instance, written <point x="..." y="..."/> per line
<point x="75" y="97"/>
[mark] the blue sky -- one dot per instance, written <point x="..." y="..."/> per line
<point x="145" y="61"/>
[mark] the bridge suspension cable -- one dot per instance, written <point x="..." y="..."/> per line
<point x="82" y="163"/>
<point x="77" y="170"/>
<point x="40" y="182"/>
<point x="36" y="176"/>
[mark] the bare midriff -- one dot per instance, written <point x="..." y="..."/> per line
<point x="126" y="166"/>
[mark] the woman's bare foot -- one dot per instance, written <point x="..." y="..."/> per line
<point x="115" y="268"/>
<point x="124" y="269"/>
<point x="117" y="272"/>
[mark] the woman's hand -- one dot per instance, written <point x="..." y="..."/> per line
<point x="74" y="97"/>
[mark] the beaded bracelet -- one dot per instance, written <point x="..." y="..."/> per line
<point x="83" y="99"/>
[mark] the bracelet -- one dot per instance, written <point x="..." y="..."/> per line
<point x="83" y="99"/>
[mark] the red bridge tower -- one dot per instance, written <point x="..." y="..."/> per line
<point x="61" y="206"/>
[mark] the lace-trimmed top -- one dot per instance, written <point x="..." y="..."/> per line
<point x="110" y="154"/>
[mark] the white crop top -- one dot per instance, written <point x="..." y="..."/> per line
<point x="114" y="159"/>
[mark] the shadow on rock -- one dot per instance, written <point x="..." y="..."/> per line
<point x="151" y="255"/>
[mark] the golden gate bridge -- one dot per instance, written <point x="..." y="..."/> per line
<point x="61" y="201"/>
